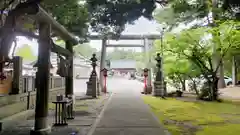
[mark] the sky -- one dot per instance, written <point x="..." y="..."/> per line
<point x="140" y="27"/>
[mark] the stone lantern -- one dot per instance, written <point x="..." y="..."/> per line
<point x="158" y="83"/>
<point x="94" y="63"/>
<point x="147" y="88"/>
<point x="159" y="66"/>
<point x="92" y="85"/>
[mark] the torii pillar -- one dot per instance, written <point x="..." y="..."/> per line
<point x="69" y="78"/>
<point x="103" y="62"/>
<point x="148" y="61"/>
<point x="41" y="126"/>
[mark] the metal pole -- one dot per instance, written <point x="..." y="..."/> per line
<point x="147" y="62"/>
<point x="162" y="77"/>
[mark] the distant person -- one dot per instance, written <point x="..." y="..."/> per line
<point x="132" y="75"/>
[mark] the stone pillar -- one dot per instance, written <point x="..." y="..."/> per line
<point x="221" y="81"/>
<point x="98" y="87"/>
<point x="234" y="71"/>
<point x="17" y="75"/>
<point x="162" y="57"/>
<point x="43" y="66"/>
<point x="89" y="87"/>
<point x="159" y="85"/>
<point x="69" y="78"/>
<point x="94" y="85"/>
<point x="102" y="62"/>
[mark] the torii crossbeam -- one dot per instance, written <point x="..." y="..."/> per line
<point x="127" y="37"/>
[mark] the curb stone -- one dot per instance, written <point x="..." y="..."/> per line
<point x="156" y="118"/>
<point x="99" y="117"/>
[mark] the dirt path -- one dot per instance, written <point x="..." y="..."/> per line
<point x="230" y="93"/>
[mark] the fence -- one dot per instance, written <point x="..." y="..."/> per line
<point x="28" y="83"/>
<point x="26" y="99"/>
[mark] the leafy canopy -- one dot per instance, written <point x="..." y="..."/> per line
<point x="69" y="13"/>
<point x="112" y="15"/>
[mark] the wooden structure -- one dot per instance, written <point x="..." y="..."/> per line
<point x="46" y="27"/>
<point x="63" y="110"/>
<point x="123" y="66"/>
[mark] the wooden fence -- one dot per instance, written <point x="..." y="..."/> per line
<point x="26" y="99"/>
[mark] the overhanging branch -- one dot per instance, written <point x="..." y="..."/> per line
<point x="161" y="2"/>
<point x="42" y="15"/>
<point x="55" y="48"/>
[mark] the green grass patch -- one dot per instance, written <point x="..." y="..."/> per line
<point x="199" y="115"/>
<point x="174" y="130"/>
<point x="51" y="106"/>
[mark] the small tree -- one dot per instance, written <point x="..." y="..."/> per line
<point x="196" y="46"/>
<point x="179" y="70"/>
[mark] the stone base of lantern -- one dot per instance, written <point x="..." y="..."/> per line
<point x="92" y="86"/>
<point x="98" y="88"/>
<point x="147" y="90"/>
<point x="158" y="88"/>
<point x="89" y="88"/>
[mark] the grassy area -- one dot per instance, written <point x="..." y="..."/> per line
<point x="196" y="118"/>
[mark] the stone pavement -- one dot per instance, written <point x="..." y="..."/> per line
<point x="86" y="112"/>
<point x="127" y="114"/>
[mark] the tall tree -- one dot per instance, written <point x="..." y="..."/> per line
<point x="72" y="14"/>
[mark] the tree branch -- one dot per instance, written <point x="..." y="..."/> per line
<point x="162" y="2"/>
<point x="224" y="52"/>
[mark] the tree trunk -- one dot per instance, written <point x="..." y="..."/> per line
<point x="183" y="85"/>
<point x="214" y="89"/>
<point x="217" y="61"/>
<point x="195" y="88"/>
<point x="234" y="71"/>
<point x="221" y="82"/>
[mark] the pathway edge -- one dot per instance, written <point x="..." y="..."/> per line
<point x="156" y="118"/>
<point x="99" y="117"/>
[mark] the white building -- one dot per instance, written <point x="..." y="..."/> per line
<point x="82" y="66"/>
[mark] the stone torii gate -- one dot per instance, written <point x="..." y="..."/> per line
<point x="145" y="47"/>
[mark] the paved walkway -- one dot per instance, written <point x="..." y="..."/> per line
<point x="127" y="114"/>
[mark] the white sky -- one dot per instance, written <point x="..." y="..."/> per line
<point x="141" y="26"/>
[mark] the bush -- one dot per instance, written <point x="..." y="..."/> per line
<point x="204" y="92"/>
<point x="177" y="93"/>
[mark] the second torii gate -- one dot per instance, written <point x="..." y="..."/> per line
<point x="145" y="46"/>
